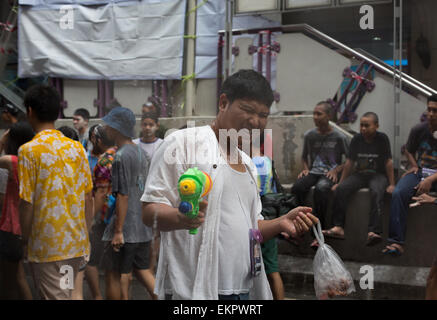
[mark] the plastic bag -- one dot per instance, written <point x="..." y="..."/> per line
<point x="331" y="278"/>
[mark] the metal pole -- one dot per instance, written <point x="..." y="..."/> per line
<point x="228" y="37"/>
<point x="397" y="77"/>
<point x="191" y="46"/>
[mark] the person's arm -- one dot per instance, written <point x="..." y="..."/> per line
<point x="120" y="215"/>
<point x="424" y="198"/>
<point x="390" y="175"/>
<point x="294" y="223"/>
<point x="167" y="218"/>
<point x="89" y="212"/>
<point x="306" y="169"/>
<point x="99" y="199"/>
<point x="25" y="210"/>
<point x="347" y="169"/>
<point x="412" y="162"/>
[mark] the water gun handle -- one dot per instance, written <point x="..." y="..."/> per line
<point x="186" y="207"/>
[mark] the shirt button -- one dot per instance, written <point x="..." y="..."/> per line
<point x="214" y="166"/>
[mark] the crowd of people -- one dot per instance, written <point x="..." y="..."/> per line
<point x="99" y="199"/>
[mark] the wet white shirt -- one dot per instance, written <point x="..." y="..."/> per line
<point x="188" y="266"/>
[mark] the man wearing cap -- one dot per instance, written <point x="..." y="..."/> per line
<point x="127" y="238"/>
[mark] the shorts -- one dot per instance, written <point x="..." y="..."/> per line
<point x="97" y="244"/>
<point x="55" y="280"/>
<point x="131" y="255"/>
<point x="270" y="255"/>
<point x="11" y="248"/>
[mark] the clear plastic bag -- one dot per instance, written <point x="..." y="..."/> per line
<point x="331" y="278"/>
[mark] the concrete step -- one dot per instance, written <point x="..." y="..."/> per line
<point x="390" y="282"/>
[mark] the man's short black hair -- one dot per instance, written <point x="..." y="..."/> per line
<point x="327" y="108"/>
<point x="69" y="132"/>
<point x="371" y="115"/>
<point x="82" y="113"/>
<point x="248" y="84"/>
<point x="150" y="115"/>
<point x="432" y="98"/>
<point x="44" y="101"/>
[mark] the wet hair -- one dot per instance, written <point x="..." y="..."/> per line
<point x="20" y="133"/>
<point x="150" y="115"/>
<point x="100" y="134"/>
<point x="82" y="113"/>
<point x="69" y="132"/>
<point x="44" y="101"/>
<point x="91" y="131"/>
<point x="432" y="98"/>
<point x="248" y="84"/>
<point x="327" y="108"/>
<point x="371" y="115"/>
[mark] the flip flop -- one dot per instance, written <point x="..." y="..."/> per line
<point x="330" y="234"/>
<point x="373" y="240"/>
<point x="393" y="251"/>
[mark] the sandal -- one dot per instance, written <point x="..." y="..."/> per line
<point x="373" y="239"/>
<point x="393" y="250"/>
<point x="331" y="234"/>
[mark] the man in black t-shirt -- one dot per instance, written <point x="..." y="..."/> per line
<point x="322" y="157"/>
<point x="421" y="178"/>
<point x="370" y="156"/>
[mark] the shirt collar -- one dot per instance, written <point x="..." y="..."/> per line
<point x="47" y="132"/>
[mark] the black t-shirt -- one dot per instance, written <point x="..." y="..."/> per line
<point x="370" y="157"/>
<point x="422" y="142"/>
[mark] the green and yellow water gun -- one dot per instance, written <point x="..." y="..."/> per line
<point x="193" y="185"/>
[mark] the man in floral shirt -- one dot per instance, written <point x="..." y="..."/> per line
<point x="55" y="198"/>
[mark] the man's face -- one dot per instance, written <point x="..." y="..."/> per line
<point x="243" y="114"/>
<point x="148" y="128"/>
<point x="432" y="113"/>
<point x="79" y="123"/>
<point x="321" y="118"/>
<point x="368" y="127"/>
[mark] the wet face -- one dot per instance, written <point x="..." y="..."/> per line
<point x="242" y="114"/>
<point x="321" y="118"/>
<point x="368" y="127"/>
<point x="432" y="113"/>
<point x="79" y="123"/>
<point x="148" y="128"/>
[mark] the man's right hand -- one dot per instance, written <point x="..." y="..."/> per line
<point x="193" y="223"/>
<point x="412" y="170"/>
<point x="304" y="173"/>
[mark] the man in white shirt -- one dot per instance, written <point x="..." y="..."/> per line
<point x="216" y="262"/>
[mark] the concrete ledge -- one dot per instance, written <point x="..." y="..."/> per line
<point x="420" y="246"/>
<point x="390" y="282"/>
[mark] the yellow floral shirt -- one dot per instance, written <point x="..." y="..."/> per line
<point x="54" y="176"/>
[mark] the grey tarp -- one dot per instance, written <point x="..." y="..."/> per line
<point x="113" y="40"/>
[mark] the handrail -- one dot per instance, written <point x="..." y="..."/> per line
<point x="379" y="65"/>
